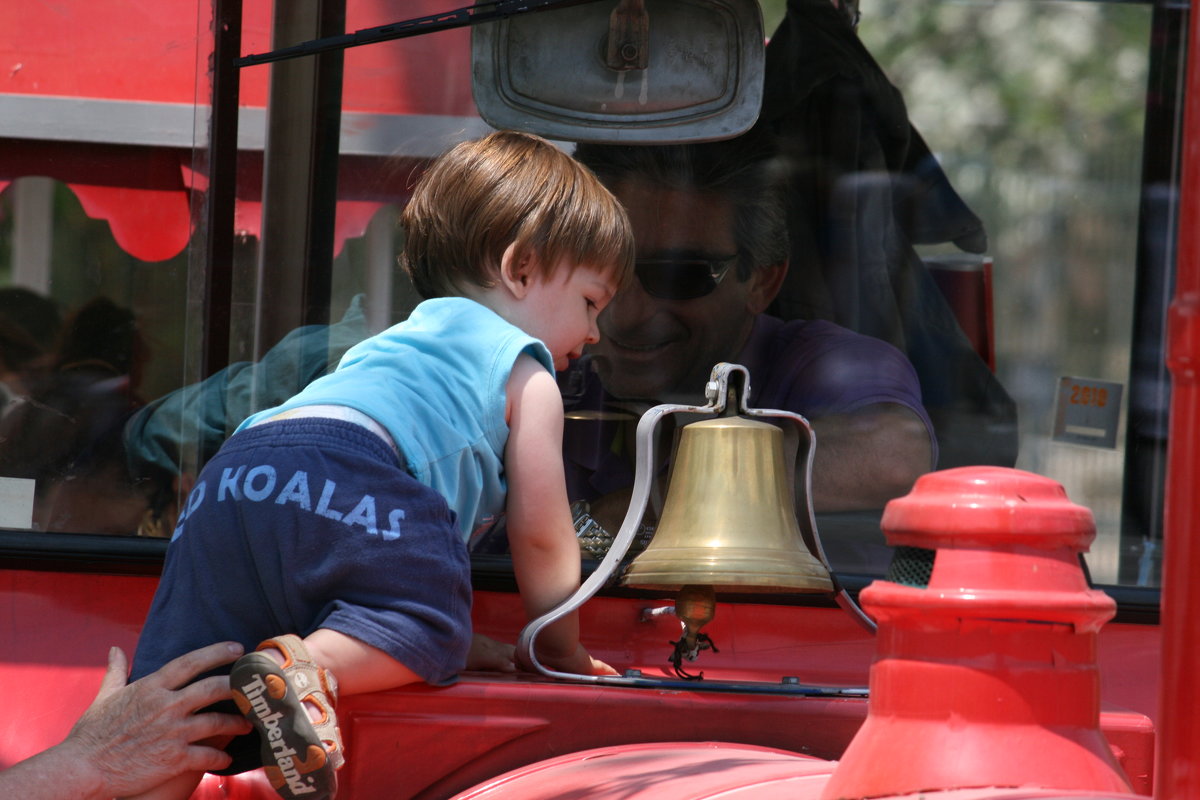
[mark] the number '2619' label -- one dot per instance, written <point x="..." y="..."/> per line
<point x="1088" y="412"/>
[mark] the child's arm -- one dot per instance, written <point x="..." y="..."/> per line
<point x="545" y="552"/>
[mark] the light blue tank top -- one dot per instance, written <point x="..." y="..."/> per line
<point x="436" y="382"/>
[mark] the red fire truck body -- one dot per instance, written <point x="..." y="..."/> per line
<point x="787" y="691"/>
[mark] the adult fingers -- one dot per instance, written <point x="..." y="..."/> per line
<point x="213" y="724"/>
<point x="199" y="758"/>
<point x="205" y="692"/>
<point x="180" y="671"/>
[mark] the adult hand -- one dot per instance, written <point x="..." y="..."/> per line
<point x="134" y="737"/>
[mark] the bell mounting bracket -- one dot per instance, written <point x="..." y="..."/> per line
<point x="727" y="393"/>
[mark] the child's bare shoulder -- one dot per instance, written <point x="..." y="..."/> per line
<point x="532" y="389"/>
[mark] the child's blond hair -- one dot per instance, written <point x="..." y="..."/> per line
<point x="509" y="188"/>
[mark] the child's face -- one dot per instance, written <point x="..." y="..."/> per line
<point x="562" y="310"/>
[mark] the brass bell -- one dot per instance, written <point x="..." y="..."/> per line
<point x="728" y="519"/>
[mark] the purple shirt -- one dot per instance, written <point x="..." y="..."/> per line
<point x="812" y="368"/>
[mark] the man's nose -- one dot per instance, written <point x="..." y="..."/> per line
<point x="630" y="307"/>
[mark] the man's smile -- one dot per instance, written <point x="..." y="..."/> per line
<point x="638" y="347"/>
<point x="635" y="347"/>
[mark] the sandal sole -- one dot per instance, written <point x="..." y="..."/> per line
<point x="297" y="765"/>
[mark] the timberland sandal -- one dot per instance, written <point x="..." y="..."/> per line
<point x="300" y="754"/>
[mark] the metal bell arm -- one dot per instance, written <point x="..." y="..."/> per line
<point x="807" y="520"/>
<point x="716" y="393"/>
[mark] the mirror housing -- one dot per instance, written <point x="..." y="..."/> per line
<point x="549" y="73"/>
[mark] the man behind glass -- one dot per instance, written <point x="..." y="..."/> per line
<point x="712" y="253"/>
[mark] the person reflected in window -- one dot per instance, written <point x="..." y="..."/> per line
<point x="29" y="325"/>
<point x="712" y="253"/>
<point x="66" y="434"/>
<point x="713" y="247"/>
<point x="102" y="342"/>
<point x="865" y="191"/>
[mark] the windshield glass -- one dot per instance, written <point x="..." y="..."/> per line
<point x="943" y="236"/>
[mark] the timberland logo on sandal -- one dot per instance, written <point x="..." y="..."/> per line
<point x="283" y="754"/>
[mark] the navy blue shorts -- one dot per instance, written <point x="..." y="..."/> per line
<point x="309" y="523"/>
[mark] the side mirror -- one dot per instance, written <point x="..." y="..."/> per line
<point x="624" y="71"/>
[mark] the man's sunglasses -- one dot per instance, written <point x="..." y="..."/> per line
<point x="682" y="278"/>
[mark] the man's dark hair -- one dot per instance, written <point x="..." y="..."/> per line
<point x="747" y="170"/>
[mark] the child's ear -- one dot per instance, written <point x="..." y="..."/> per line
<point x="516" y="273"/>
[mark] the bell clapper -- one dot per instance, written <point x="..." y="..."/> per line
<point x="695" y="606"/>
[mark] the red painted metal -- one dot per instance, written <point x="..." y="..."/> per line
<point x="984" y="685"/>
<point x="144" y="192"/>
<point x="156" y="50"/>
<point x="987" y="675"/>
<point x="433" y="742"/>
<point x="1177" y="771"/>
<point x="673" y="771"/>
<point x="429" y="743"/>
<point x="704" y="771"/>
<point x="55" y="632"/>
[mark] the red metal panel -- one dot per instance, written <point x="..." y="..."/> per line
<point x="139" y="191"/>
<point x="152" y="50"/>
<point x="157" y="52"/>
<point x="700" y="771"/>
<point x="138" y="50"/>
<point x="1178" y="770"/>
<point x="663" y="772"/>
<point x="55" y="632"/>
<point x="421" y="742"/>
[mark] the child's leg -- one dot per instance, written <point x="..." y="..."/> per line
<point x="272" y="687"/>
<point x="359" y="667"/>
<point x="287" y="689"/>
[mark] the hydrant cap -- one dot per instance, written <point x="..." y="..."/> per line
<point x="984" y="505"/>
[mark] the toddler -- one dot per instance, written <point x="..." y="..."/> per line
<point x="331" y="531"/>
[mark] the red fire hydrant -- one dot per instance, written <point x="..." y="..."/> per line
<point x="985" y="671"/>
